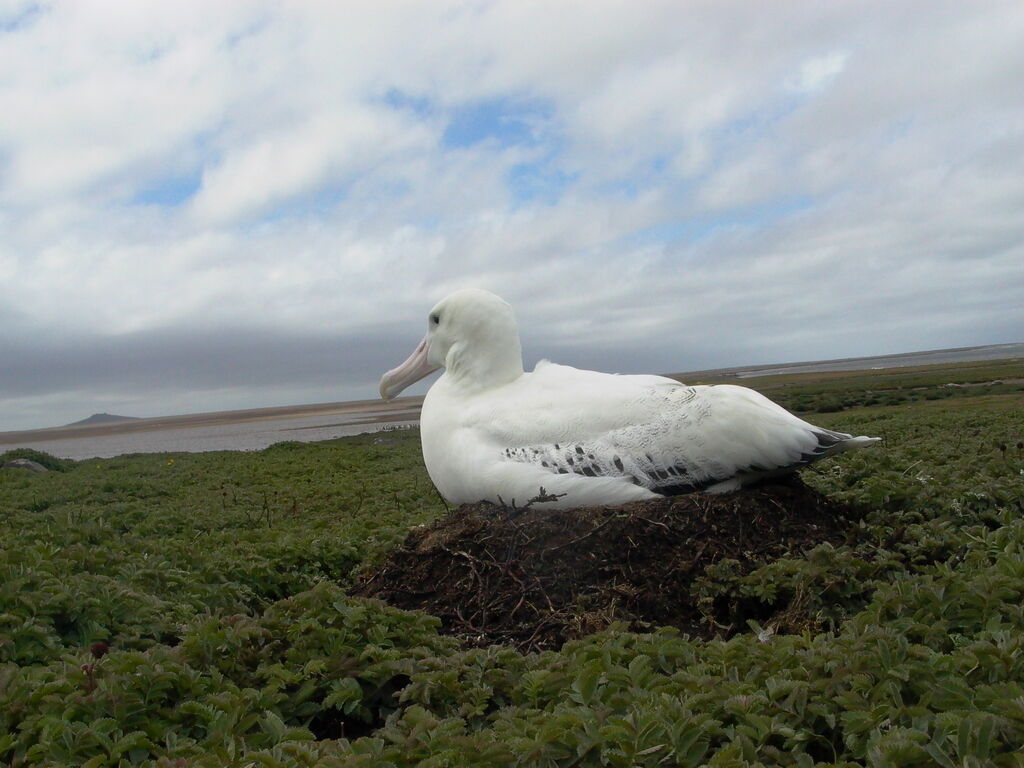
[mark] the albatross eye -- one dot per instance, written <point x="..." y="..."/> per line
<point x="435" y="319"/>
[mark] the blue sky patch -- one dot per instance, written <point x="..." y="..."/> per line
<point x="21" y="19"/>
<point x="319" y="202"/>
<point x="538" y="182"/>
<point x="418" y="105"/>
<point x="645" y="175"/>
<point x="699" y="226"/>
<point x="171" y="191"/>
<point x="507" y="121"/>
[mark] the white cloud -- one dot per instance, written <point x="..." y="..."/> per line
<point x="331" y="147"/>
<point x="816" y="73"/>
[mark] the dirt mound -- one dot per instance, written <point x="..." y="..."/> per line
<point x="535" y="578"/>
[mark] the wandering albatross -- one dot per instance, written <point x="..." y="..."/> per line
<point x="492" y="432"/>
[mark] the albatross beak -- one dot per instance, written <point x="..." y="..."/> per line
<point x="409" y="372"/>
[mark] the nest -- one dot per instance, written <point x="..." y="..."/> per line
<point x="534" y="578"/>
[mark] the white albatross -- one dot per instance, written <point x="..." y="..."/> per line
<point x="491" y="431"/>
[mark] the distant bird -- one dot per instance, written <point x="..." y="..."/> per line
<point x="492" y="432"/>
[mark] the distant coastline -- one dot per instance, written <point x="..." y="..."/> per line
<point x="379" y="409"/>
<point x="980" y="353"/>
<point x="105" y="435"/>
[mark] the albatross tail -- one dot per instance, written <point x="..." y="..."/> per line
<point x="832" y="443"/>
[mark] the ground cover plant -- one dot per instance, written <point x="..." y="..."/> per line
<point x="195" y="610"/>
<point x="838" y="390"/>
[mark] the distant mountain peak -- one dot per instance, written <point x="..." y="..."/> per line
<point x="101" y="418"/>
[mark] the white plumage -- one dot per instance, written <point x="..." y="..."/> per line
<point x="491" y="431"/>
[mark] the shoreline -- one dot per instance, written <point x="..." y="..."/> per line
<point x="399" y="409"/>
<point x="376" y="411"/>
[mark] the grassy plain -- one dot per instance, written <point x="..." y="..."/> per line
<point x="191" y="610"/>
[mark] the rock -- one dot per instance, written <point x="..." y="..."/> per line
<point x="31" y="466"/>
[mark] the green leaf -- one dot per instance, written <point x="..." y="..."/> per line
<point x="345" y="694"/>
<point x="272" y="724"/>
<point x="584" y="687"/>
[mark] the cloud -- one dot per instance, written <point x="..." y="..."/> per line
<point x="816" y="73"/>
<point x="199" y="204"/>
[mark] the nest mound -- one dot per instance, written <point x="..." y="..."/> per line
<point x="535" y="578"/>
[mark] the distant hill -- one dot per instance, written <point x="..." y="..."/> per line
<point x="101" y="418"/>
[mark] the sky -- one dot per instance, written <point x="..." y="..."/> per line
<point x="209" y="206"/>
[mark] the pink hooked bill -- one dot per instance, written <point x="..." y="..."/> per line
<point x="408" y="373"/>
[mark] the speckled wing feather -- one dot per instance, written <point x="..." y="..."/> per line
<point x="665" y="436"/>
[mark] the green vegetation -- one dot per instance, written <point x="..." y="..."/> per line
<point x="191" y="610"/>
<point x="51" y="463"/>
<point x="840" y="390"/>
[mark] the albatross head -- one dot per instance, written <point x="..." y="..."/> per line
<point x="472" y="334"/>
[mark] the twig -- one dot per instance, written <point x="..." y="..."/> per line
<point x="543" y="497"/>
<point x="653" y="522"/>
<point x="447" y="509"/>
<point x="904" y="472"/>
<point x="589" y="533"/>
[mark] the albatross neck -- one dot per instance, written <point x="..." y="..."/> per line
<point x="474" y="370"/>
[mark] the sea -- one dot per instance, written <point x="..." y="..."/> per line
<point x="258" y="430"/>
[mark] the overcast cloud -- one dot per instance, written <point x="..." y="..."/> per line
<point x="207" y="206"/>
